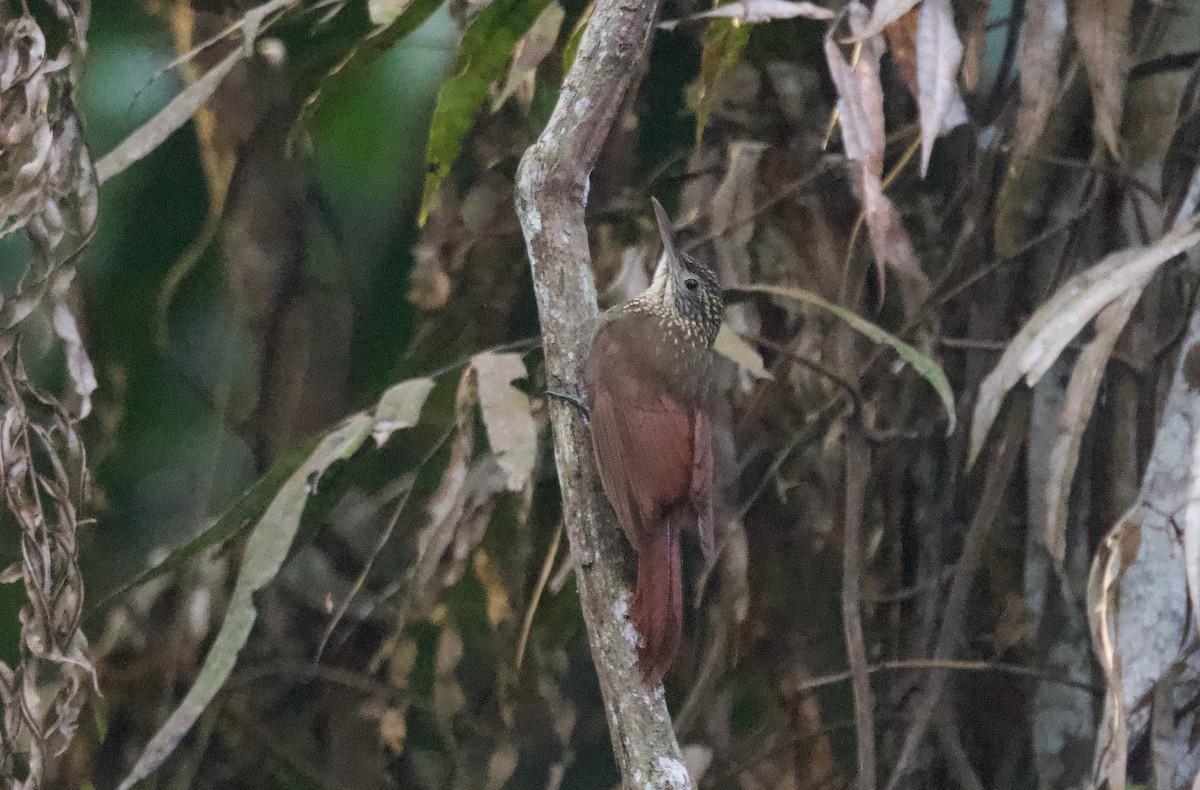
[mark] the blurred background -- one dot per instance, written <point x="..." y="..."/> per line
<point x="337" y="220"/>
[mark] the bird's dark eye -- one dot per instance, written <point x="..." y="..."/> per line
<point x="691" y="284"/>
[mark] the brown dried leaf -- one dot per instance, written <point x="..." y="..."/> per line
<point x="1102" y="31"/>
<point x="939" y="53"/>
<point x="448" y="697"/>
<point x="1052" y="327"/>
<point x="860" y="107"/>
<point x="885" y="13"/>
<point x="1038" y="57"/>
<point x="891" y="244"/>
<point x="1077" y="410"/>
<point x="901" y="38"/>
<point x="499" y="609"/>
<point x="511" y="431"/>
<point x="860" y="99"/>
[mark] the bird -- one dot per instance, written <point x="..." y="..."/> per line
<point x="646" y="377"/>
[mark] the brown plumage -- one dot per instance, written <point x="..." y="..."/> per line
<point x="646" y="377"/>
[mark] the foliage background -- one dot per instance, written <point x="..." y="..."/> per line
<point x="249" y="285"/>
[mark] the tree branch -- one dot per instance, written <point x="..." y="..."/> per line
<point x="552" y="185"/>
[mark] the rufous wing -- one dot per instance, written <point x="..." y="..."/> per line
<point x="642" y="435"/>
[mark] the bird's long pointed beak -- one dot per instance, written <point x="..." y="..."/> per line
<point x="670" y="255"/>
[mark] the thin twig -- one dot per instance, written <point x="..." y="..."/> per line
<point x="544" y="577"/>
<point x="955" y="666"/>
<point x="975" y="542"/>
<point x="858" y="460"/>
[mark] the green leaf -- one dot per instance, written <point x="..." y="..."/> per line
<point x="483" y="58"/>
<point x="723" y="43"/>
<point x="266" y="550"/>
<point x="922" y="364"/>
<point x="242" y="514"/>
<point x="362" y="57"/>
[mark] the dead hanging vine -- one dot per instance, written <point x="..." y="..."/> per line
<point x="48" y="189"/>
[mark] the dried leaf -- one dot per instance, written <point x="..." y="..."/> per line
<point x="754" y="11"/>
<point x="1102" y="31"/>
<point x="79" y="365"/>
<point x="1052" y="327"/>
<point x="393" y="729"/>
<point x="448" y="697"/>
<point x="890" y="243"/>
<point x="860" y="100"/>
<point x="506" y="415"/>
<point x="1077" y="410"/>
<point x="901" y="38"/>
<point x="732" y="346"/>
<point x="244" y="513"/>
<point x="11" y="574"/>
<point x="400" y="407"/>
<point x="501" y="766"/>
<point x="530" y="51"/>
<point x="499" y="610"/>
<point x="1038" y="58"/>
<point x="922" y="364"/>
<point x="860" y="108"/>
<point x="939" y="53"/>
<point x="169" y="119"/>
<point x="266" y="549"/>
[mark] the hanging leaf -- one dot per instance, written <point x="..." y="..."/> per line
<point x="1038" y="57"/>
<point x="901" y="37"/>
<point x="178" y="111"/>
<point x="754" y="11"/>
<point x="79" y="365"/>
<point x="885" y="13"/>
<point x="1060" y="319"/>
<point x="722" y="46"/>
<point x="1102" y="30"/>
<point x="939" y="53"/>
<point x="924" y="366"/>
<point x="266" y="550"/>
<point x="860" y="108"/>
<point x="1077" y="410"/>
<point x="400" y="407"/>
<point x="482" y="58"/>
<point x="506" y="415"/>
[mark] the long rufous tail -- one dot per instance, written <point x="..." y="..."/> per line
<point x="657" y="608"/>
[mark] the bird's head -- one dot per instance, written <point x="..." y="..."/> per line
<point x="683" y="289"/>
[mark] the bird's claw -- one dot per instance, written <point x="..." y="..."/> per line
<point x="575" y="401"/>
